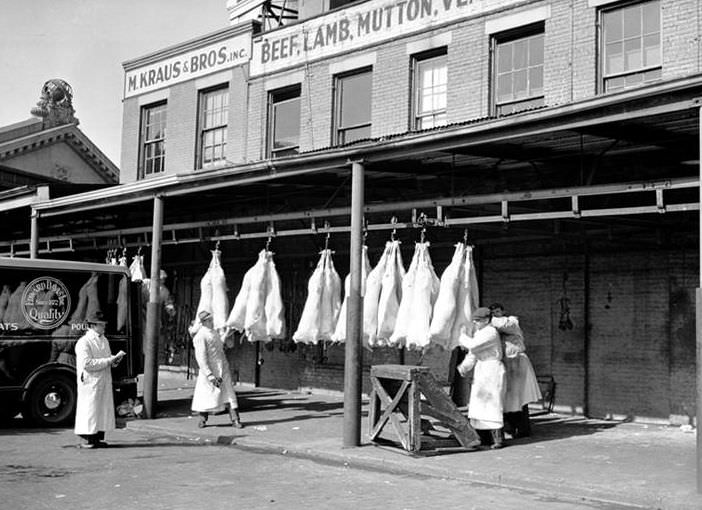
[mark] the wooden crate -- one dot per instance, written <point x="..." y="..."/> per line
<point x="407" y="402"/>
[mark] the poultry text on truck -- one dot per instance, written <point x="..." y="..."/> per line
<point x="45" y="302"/>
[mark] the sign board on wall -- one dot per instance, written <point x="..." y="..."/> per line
<point x="358" y="26"/>
<point x="209" y="59"/>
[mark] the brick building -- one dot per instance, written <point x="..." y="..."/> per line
<point x="560" y="137"/>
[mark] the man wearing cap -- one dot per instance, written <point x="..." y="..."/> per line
<point x="522" y="386"/>
<point x="214" y="390"/>
<point x="485" y="407"/>
<point x="95" y="409"/>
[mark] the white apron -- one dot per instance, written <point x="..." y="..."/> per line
<point x="209" y="352"/>
<point x="521" y="385"/>
<point x="485" y="407"/>
<point x="95" y="409"/>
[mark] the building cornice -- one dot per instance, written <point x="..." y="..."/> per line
<point x="69" y="133"/>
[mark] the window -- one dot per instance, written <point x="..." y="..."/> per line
<point x="153" y="135"/>
<point x="429" y="90"/>
<point x="284" y="122"/>
<point x="518" y="70"/>
<point x="214" y="114"/>
<point x="353" y="107"/>
<point x="631" y="45"/>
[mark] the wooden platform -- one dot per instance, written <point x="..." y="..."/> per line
<point x="410" y="406"/>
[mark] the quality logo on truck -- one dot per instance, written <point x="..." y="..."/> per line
<point x="45" y="302"/>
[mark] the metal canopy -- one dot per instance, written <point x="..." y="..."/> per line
<point x="533" y="164"/>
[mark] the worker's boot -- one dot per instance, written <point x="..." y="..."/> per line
<point x="496" y="439"/>
<point x="524" y="426"/>
<point x="236" y="420"/>
<point x="203" y="420"/>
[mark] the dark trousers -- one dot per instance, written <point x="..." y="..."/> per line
<point x="94" y="438"/>
<point x="518" y="423"/>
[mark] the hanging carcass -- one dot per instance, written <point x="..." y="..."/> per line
<point x="340" y="330"/>
<point x="319" y="315"/>
<point x="420" y="288"/>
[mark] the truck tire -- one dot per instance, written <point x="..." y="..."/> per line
<point x="51" y="400"/>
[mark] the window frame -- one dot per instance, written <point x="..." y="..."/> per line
<point x="144" y="143"/>
<point x="202" y="131"/>
<point x="337" y="138"/>
<point x="416" y="60"/>
<point x="276" y="97"/>
<point x="601" y="50"/>
<point x="506" y="37"/>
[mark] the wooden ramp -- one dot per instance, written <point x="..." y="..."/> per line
<point x="407" y="402"/>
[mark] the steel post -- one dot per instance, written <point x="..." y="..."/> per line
<point x="34" y="235"/>
<point x="698" y="319"/>
<point x="353" y="366"/>
<point x="153" y="310"/>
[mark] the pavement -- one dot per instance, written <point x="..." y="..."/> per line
<point x="606" y="464"/>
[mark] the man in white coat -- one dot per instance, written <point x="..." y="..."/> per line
<point x="214" y="390"/>
<point x="485" y="406"/>
<point x="95" y="409"/>
<point x="522" y="387"/>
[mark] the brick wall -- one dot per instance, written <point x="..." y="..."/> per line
<point x="181" y="130"/>
<point x="636" y="308"/>
<point x="130" y="141"/>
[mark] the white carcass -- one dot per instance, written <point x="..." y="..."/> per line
<point x="340" y="330"/>
<point x="323" y="303"/>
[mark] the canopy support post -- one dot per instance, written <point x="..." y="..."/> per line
<point x="353" y="364"/>
<point x="153" y="309"/>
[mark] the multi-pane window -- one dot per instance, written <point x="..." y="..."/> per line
<point x="518" y="76"/>
<point x="631" y="45"/>
<point x="153" y="135"/>
<point x="352" y="114"/>
<point x="429" y="90"/>
<point x="284" y="122"/>
<point x="214" y="115"/>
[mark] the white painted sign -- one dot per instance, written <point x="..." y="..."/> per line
<point x="186" y="66"/>
<point x="358" y="26"/>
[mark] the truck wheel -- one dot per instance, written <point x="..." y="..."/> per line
<point x="51" y="401"/>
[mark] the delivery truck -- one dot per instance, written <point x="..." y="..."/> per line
<point x="43" y="307"/>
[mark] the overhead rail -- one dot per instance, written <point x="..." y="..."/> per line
<point x="508" y="203"/>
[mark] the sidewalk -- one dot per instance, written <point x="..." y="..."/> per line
<point x="610" y="463"/>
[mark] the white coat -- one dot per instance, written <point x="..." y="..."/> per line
<point x="485" y="407"/>
<point x="522" y="387"/>
<point x="209" y="353"/>
<point x="95" y="409"/>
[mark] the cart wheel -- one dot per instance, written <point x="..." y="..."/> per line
<point x="51" y="401"/>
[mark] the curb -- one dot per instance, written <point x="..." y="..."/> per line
<point x="556" y="489"/>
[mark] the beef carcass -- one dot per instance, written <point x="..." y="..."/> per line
<point x="374" y="285"/>
<point x="340" y="330"/>
<point x="255" y="316"/>
<point x="331" y="300"/>
<point x="4" y="299"/>
<point x="467" y="301"/>
<point x="137" y="268"/>
<point x="93" y="305"/>
<point x="220" y="302"/>
<point x="445" y="307"/>
<point x="308" y="327"/>
<point x="258" y="309"/>
<point x="13" y="314"/>
<point x="425" y="292"/>
<point x="322" y="305"/>
<point x="404" y="312"/>
<point x="390" y="295"/>
<point x="275" y="311"/>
